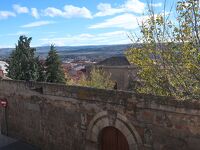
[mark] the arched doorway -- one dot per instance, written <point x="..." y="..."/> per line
<point x="104" y="120"/>
<point x="112" y="139"/>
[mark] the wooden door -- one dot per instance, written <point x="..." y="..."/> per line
<point x="113" y="139"/>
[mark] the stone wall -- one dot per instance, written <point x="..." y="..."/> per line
<point x="59" y="117"/>
<point x="122" y="75"/>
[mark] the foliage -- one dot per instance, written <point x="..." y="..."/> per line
<point x="41" y="71"/>
<point x="22" y="63"/>
<point x="169" y="58"/>
<point x="54" y="71"/>
<point x="98" y="79"/>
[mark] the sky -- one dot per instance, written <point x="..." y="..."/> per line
<point x="72" y="22"/>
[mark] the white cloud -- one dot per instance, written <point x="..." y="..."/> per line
<point x="37" y="24"/>
<point x="6" y="14"/>
<point x="20" y="10"/>
<point x="156" y="5"/>
<point x="106" y="9"/>
<point x="116" y="37"/>
<point x="126" y="21"/>
<point x="5" y="46"/>
<point x="73" y="11"/>
<point x="134" y="6"/>
<point x="17" y="33"/>
<point x="52" y="12"/>
<point x="69" y="11"/>
<point x="34" y="13"/>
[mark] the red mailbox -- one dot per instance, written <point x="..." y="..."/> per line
<point x="3" y="103"/>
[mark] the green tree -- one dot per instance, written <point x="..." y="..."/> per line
<point x="169" y="56"/>
<point x="97" y="79"/>
<point x="41" y="71"/>
<point x="22" y="63"/>
<point x="54" y="71"/>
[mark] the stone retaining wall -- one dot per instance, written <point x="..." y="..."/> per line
<point x="60" y="117"/>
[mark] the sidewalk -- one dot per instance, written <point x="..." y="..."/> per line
<point x="7" y="143"/>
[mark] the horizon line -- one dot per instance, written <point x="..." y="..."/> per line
<point x="71" y="45"/>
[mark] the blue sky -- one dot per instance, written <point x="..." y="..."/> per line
<point x="71" y="22"/>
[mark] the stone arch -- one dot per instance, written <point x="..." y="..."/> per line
<point x="117" y="120"/>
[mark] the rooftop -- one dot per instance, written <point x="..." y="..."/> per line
<point x="115" y="61"/>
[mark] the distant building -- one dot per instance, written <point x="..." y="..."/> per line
<point x="75" y="69"/>
<point x="3" y="68"/>
<point x="114" y="61"/>
<point x="122" y="72"/>
<point x="1" y="73"/>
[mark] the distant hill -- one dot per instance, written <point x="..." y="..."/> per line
<point x="77" y="52"/>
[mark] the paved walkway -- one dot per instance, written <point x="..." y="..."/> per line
<point x="7" y="143"/>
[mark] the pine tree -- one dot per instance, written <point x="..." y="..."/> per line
<point x="22" y="63"/>
<point x="41" y="71"/>
<point x="54" y="71"/>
